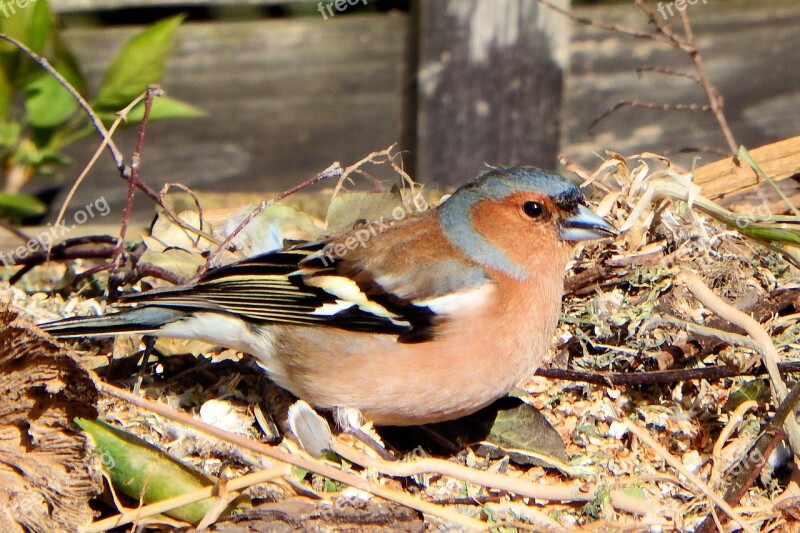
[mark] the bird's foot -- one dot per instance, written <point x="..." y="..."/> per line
<point x="351" y="421"/>
<point x="149" y="344"/>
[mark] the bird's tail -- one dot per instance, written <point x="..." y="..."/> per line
<point x="145" y="319"/>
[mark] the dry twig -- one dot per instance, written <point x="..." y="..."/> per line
<point x="566" y="493"/>
<point x="645" y="105"/>
<point x="769" y="353"/>
<point x="675" y="463"/>
<point x="664" y="34"/>
<point x="617" y="379"/>
<point x="299" y="461"/>
<point x="133" y="183"/>
<point x="238" y="484"/>
<point x="333" y="171"/>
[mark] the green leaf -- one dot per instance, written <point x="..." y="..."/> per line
<point x="10" y="134"/>
<point x="778" y="234"/>
<point x="65" y="63"/>
<point x="40" y="27"/>
<point x="15" y="22"/>
<point x="48" y="103"/>
<point x="330" y="485"/>
<point x="35" y="26"/>
<point x="635" y="492"/>
<point x="139" y="64"/>
<point x="32" y="23"/>
<point x="29" y="154"/>
<point x="165" y="107"/>
<point x="145" y="473"/>
<point x="756" y="389"/>
<point x="6" y="93"/>
<point x="15" y="207"/>
<point x="510" y="427"/>
<point x="348" y="208"/>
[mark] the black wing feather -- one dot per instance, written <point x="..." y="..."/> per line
<point x="273" y="288"/>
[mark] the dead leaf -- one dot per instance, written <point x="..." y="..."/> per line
<point x="346" y="209"/>
<point x="46" y="480"/>
<point x="345" y="514"/>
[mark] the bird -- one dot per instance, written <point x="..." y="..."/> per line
<point x="425" y="318"/>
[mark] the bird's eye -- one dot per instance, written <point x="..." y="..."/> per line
<point x="533" y="209"/>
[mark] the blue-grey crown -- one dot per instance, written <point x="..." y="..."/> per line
<point x="498" y="183"/>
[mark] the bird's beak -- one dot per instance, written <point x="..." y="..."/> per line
<point x="585" y="225"/>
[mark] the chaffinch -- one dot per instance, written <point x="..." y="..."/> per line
<point x="426" y="319"/>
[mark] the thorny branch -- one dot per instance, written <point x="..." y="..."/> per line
<point x="667" y="71"/>
<point x="662" y="33"/>
<point x="133" y="182"/>
<point x="333" y="171"/>
<point x="618" y="28"/>
<point x="646" y="105"/>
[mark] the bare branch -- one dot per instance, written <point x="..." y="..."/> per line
<point x="119" y="160"/>
<point x="333" y="171"/>
<point x="714" y="98"/>
<point x="669" y="36"/>
<point x="668" y="72"/>
<point x="93" y="118"/>
<point x="646" y="105"/>
<point x="617" y="379"/>
<point x="610" y="27"/>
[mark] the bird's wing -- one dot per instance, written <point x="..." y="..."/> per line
<point x="271" y="288"/>
<point x="412" y="262"/>
<point x="373" y="290"/>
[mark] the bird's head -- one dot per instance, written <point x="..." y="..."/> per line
<point x="510" y="218"/>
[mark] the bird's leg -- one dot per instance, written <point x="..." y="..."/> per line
<point x="351" y="420"/>
<point x="149" y="343"/>
<point x="439" y="439"/>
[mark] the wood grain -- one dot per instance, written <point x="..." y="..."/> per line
<point x="287" y="97"/>
<point x="726" y="177"/>
<point x="73" y="6"/>
<point x="489" y="86"/>
<point x="750" y="51"/>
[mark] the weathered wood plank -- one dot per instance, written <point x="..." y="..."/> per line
<point x="723" y="178"/>
<point x="739" y="188"/>
<point x="285" y="98"/>
<point x="75" y="6"/>
<point x="489" y="86"/>
<point x="750" y="51"/>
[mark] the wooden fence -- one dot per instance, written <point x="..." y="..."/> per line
<point x="456" y="82"/>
